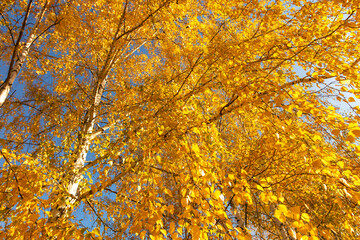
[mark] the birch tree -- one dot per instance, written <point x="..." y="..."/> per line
<point x="179" y="119"/>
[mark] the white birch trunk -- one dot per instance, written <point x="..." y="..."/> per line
<point x="86" y="137"/>
<point x="83" y="148"/>
<point x="20" y="54"/>
<point x="87" y="134"/>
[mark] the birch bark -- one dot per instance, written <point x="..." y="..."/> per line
<point x="87" y="133"/>
<point x="85" y="139"/>
<point x="20" y="53"/>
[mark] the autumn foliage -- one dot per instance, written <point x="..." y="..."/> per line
<point x="179" y="119"/>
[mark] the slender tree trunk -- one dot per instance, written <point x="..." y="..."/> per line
<point x="86" y="137"/>
<point x="84" y="144"/>
<point x="87" y="133"/>
<point x="20" y="53"/>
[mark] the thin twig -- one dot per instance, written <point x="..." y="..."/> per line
<point x="17" y="181"/>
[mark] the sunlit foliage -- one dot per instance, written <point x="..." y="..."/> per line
<point x="179" y="119"/>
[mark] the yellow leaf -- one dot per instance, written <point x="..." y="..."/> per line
<point x="34" y="217"/>
<point x="204" y="235"/>
<point x="273" y="198"/>
<point x="282" y="208"/>
<point x="331" y="108"/>
<point x="184" y="202"/>
<point x="195" y="231"/>
<point x="336" y="132"/>
<point x="346" y="82"/>
<point x="317" y="164"/>
<point x="142" y="234"/>
<point x="196" y="130"/>
<point x="217" y="194"/>
<point x="295" y="212"/>
<point x="357" y="182"/>
<point x="195" y="148"/>
<point x="172" y="227"/>
<point x="305" y="217"/>
<point x="341" y="164"/>
<point x="264" y="197"/>
<point x="356" y="132"/>
<point x="163" y="231"/>
<point x="350" y="138"/>
<point x="279" y="215"/>
<point x="93" y="188"/>
<point x="351" y="99"/>
<point x="296" y="224"/>
<point x="96" y="231"/>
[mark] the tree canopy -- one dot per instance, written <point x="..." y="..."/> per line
<point x="179" y="119"/>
